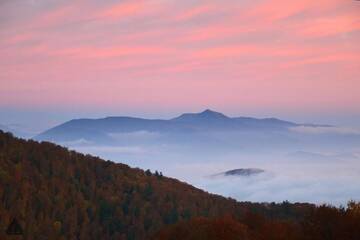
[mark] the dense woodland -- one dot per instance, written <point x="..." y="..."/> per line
<point x="54" y="193"/>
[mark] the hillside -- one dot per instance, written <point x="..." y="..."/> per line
<point x="55" y="193"/>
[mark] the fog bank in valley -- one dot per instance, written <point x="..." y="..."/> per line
<point x="319" y="165"/>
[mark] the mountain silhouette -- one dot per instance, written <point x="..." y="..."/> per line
<point x="208" y="115"/>
<point x="208" y="120"/>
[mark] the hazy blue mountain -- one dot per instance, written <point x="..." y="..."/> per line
<point x="206" y="115"/>
<point x="211" y="118"/>
<point x="101" y="129"/>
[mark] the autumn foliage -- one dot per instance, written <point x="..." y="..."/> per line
<point x="205" y="228"/>
<point x="322" y="223"/>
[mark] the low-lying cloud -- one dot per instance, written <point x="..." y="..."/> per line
<point x="111" y="149"/>
<point x="137" y="135"/>
<point x="303" y="166"/>
<point x="325" y="130"/>
<point x="77" y="142"/>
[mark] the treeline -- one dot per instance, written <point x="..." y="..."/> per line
<point x="54" y="193"/>
<point x="321" y="223"/>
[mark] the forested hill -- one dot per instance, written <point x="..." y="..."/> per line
<point x="54" y="193"/>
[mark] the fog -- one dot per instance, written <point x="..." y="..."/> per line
<point x="301" y="165"/>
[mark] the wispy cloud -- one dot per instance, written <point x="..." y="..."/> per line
<point x="137" y="135"/>
<point x="270" y="49"/>
<point x="110" y="149"/>
<point x="123" y="10"/>
<point x="325" y="130"/>
<point x="197" y="11"/>
<point x="77" y="142"/>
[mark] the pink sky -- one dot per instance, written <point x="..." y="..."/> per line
<point x="283" y="56"/>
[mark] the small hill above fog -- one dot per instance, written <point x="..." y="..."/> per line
<point x="245" y="172"/>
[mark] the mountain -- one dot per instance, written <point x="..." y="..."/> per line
<point x="207" y="115"/>
<point x="100" y="129"/>
<point x="50" y="192"/>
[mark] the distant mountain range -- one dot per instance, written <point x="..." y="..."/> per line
<point x="208" y="120"/>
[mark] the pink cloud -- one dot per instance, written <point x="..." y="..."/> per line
<point x="274" y="10"/>
<point x="257" y="54"/>
<point x="328" y="26"/>
<point x="196" y="11"/>
<point x="109" y="52"/>
<point x="123" y="9"/>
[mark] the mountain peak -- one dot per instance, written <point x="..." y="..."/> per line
<point x="208" y="111"/>
<point x="206" y="114"/>
<point x="211" y="113"/>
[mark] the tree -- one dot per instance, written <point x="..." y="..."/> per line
<point x="148" y="173"/>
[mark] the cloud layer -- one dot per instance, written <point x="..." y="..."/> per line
<point x="324" y="130"/>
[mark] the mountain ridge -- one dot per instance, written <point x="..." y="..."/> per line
<point x="207" y="120"/>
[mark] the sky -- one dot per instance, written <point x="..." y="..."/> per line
<point x="298" y="60"/>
